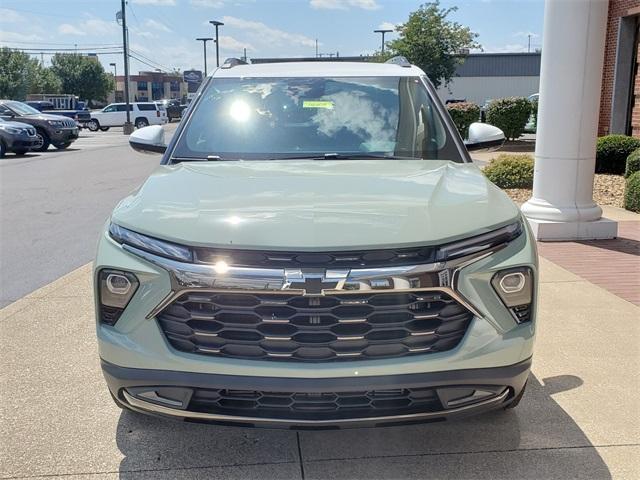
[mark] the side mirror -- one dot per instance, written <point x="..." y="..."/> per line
<point x="483" y="136"/>
<point x="148" y="140"/>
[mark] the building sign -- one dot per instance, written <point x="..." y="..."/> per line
<point x="192" y="76"/>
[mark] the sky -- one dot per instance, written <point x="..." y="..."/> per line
<point x="162" y="32"/>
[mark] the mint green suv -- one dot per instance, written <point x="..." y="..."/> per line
<point x="316" y="249"/>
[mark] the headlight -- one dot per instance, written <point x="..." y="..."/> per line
<point x="116" y="288"/>
<point x="479" y="243"/>
<point x="150" y="244"/>
<point x="56" y="123"/>
<point x="514" y="286"/>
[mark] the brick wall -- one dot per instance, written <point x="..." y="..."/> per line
<point x="635" y="109"/>
<point x="617" y="8"/>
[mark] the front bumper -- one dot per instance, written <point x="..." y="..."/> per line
<point x="22" y="142"/>
<point x="458" y="393"/>
<point x="64" y="135"/>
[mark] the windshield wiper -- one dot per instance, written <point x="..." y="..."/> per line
<point x="345" y="156"/>
<point x="208" y="158"/>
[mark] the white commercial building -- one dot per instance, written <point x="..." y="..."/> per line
<point x="485" y="76"/>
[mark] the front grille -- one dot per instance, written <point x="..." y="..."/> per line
<point x="31" y="132"/>
<point x="349" y="326"/>
<point x="315" y="406"/>
<point x="353" y="258"/>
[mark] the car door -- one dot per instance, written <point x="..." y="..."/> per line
<point x="106" y="115"/>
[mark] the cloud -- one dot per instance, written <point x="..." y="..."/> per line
<point x="68" y="29"/>
<point x="8" y="37"/>
<point x="156" y="25"/>
<point x="10" y="16"/>
<point x="387" y="26"/>
<point x="344" y="4"/>
<point x="268" y="35"/>
<point x="526" y="34"/>
<point x="235" y="46"/>
<point x="97" y="26"/>
<point x="160" y="3"/>
<point x="207" y="3"/>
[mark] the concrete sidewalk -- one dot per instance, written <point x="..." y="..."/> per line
<point x="580" y="417"/>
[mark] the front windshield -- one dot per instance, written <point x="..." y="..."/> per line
<point x="342" y="117"/>
<point x="22" y="108"/>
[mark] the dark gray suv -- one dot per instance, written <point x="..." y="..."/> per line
<point x="53" y="130"/>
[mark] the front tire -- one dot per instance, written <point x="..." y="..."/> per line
<point x="3" y="149"/>
<point x="43" y="141"/>
<point x="62" y="146"/>
<point x="104" y="129"/>
<point x="93" y="125"/>
<point x="142" y="122"/>
<point x="21" y="151"/>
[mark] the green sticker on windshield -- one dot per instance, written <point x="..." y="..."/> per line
<point x="317" y="104"/>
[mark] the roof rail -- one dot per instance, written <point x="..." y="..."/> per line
<point x="399" y="60"/>
<point x="232" y="62"/>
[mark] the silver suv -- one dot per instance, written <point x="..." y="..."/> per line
<point x="316" y="249"/>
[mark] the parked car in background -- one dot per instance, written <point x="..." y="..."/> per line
<point x="55" y="130"/>
<point x="16" y="137"/>
<point x="174" y="108"/>
<point x="142" y="114"/>
<point x="532" y="123"/>
<point x="354" y="268"/>
<point x="81" y="116"/>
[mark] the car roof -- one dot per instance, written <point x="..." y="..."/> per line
<point x="319" y="69"/>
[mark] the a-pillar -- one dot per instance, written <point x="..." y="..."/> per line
<point x="562" y="206"/>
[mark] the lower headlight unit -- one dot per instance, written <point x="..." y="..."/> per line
<point x="116" y="288"/>
<point x="514" y="286"/>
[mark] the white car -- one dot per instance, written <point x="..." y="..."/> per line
<point x="142" y="114"/>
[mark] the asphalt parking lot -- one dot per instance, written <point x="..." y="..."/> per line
<point x="580" y="417"/>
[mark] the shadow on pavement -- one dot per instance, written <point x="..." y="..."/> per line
<point x="538" y="439"/>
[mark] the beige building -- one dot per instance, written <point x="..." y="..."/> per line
<point x="149" y="86"/>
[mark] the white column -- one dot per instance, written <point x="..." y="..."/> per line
<point x="562" y="206"/>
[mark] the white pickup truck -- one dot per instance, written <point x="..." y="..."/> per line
<point x="142" y="115"/>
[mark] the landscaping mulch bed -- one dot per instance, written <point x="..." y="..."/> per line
<point x="607" y="190"/>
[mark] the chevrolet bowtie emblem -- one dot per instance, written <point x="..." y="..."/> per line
<point x="314" y="281"/>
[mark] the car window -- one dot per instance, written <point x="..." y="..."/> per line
<point x="147" y="106"/>
<point x="123" y="107"/>
<point x="21" y="108"/>
<point x="110" y="108"/>
<point x="268" y="118"/>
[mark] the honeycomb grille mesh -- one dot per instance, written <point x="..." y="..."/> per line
<point x="350" y="326"/>
<point x="322" y="405"/>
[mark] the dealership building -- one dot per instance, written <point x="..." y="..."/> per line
<point x="149" y="86"/>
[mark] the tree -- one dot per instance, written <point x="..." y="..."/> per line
<point x="82" y="76"/>
<point x="21" y="74"/>
<point x="432" y="42"/>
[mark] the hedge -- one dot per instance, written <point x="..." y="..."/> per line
<point x="632" y="193"/>
<point x="511" y="171"/>
<point x="633" y="163"/>
<point x="463" y="115"/>
<point x="612" y="152"/>
<point x="510" y="115"/>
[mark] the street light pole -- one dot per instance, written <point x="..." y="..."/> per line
<point x="115" y="81"/>
<point x="127" y="127"/>
<point x="217" y="24"/>
<point x="383" y="32"/>
<point x="204" y="44"/>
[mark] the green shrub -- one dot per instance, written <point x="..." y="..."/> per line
<point x="632" y="193"/>
<point x="511" y="171"/>
<point x="510" y="115"/>
<point x="633" y="163"/>
<point x="534" y="111"/>
<point x="612" y="152"/>
<point x="463" y="114"/>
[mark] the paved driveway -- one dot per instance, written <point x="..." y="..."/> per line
<point x="579" y="419"/>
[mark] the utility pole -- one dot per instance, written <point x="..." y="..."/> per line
<point x="204" y="44"/>
<point x="127" y="128"/>
<point x="245" y="55"/>
<point x="316" y="48"/>
<point x="217" y="24"/>
<point x="115" y="81"/>
<point x="383" y="32"/>
<point x="529" y="46"/>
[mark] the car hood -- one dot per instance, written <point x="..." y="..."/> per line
<point x="310" y="205"/>
<point x="43" y="116"/>
<point x="15" y="124"/>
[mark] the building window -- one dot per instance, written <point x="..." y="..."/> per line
<point x="142" y="85"/>
<point x="174" y="86"/>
